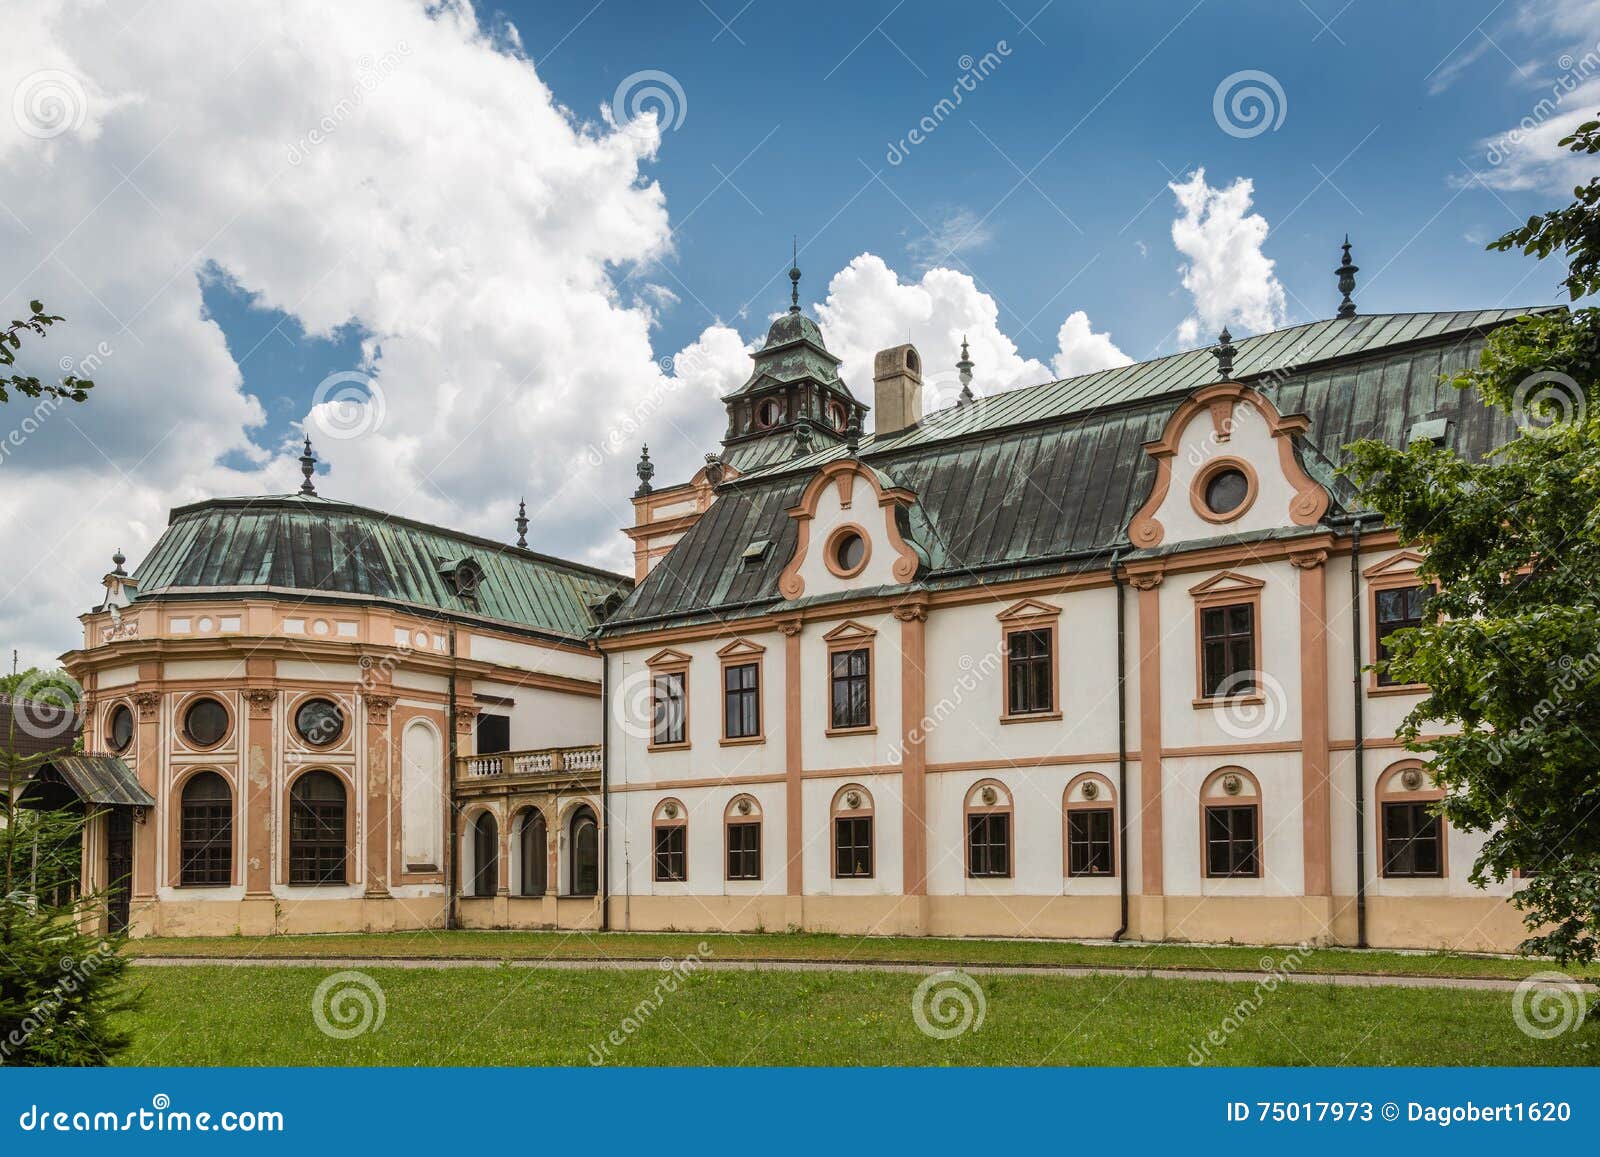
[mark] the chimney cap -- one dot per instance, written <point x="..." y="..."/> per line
<point x="900" y="359"/>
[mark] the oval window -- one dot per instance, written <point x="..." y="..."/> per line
<point x="837" y="417"/>
<point x="1226" y="491"/>
<point x="319" y="722"/>
<point x="769" y="413"/>
<point x="205" y="723"/>
<point x="849" y="551"/>
<point x="119" y="728"/>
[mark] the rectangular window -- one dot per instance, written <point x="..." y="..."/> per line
<point x="667" y="698"/>
<point x="989" y="844"/>
<point x="1091" y="846"/>
<point x="1232" y="846"/>
<point x="851" y="673"/>
<point x="744" y="851"/>
<point x="1413" y="840"/>
<point x="852" y="847"/>
<point x="494" y="734"/>
<point x="671" y="854"/>
<point x="741" y="707"/>
<point x="1028" y="672"/>
<point x="1396" y="609"/>
<point x="1228" y="650"/>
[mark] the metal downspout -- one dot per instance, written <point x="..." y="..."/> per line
<point x="1360" y="738"/>
<point x="605" y="792"/>
<point x="1122" y="743"/>
<point x="450" y="796"/>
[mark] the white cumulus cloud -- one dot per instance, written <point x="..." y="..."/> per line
<point x="1226" y="273"/>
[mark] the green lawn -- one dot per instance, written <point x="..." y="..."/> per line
<point x="220" y="1015"/>
<point x="811" y="946"/>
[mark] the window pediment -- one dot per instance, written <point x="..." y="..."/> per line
<point x="1402" y="564"/>
<point x="1029" y="610"/>
<point x="1227" y="582"/>
<point x="667" y="657"/>
<point x="848" y="631"/>
<point x="740" y="648"/>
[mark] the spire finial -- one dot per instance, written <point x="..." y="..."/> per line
<point x="964" y="366"/>
<point x="308" y="467"/>
<point x="794" y="278"/>
<point x="802" y="439"/>
<point x="1347" y="281"/>
<point x="646" y="470"/>
<point x="1223" y="351"/>
<point x="522" y="522"/>
<point x="116" y="561"/>
<point x="852" y="433"/>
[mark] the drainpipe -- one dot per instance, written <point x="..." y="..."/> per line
<point x="1360" y="741"/>
<point x="450" y="798"/>
<point x="1122" y="743"/>
<point x="605" y="792"/>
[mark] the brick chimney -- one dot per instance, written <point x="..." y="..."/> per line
<point x="896" y="389"/>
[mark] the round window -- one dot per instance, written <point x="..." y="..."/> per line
<point x="119" y="728"/>
<point x="319" y="722"/>
<point x="837" y="417"/>
<point x="1226" y="491"/>
<point x="849" y="551"/>
<point x="769" y="413"/>
<point x="205" y="723"/>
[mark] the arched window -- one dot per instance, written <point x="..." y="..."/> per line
<point x="533" y="852"/>
<point x="1230" y="818"/>
<point x="317" y="829"/>
<point x="1411" y="833"/>
<point x="485" y="855"/>
<point x="852" y="834"/>
<point x="206" y="832"/>
<point x="988" y="830"/>
<point x="670" y="831"/>
<point x="584" y="868"/>
<point x="742" y="824"/>
<point x="1090" y="807"/>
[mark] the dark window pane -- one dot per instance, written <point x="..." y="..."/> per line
<point x="1029" y="676"/>
<point x="317" y="829"/>
<point x="319" y="722"/>
<point x="1228" y="649"/>
<point x="671" y="856"/>
<point x="1091" y="850"/>
<point x="1413" y="840"/>
<point x="1231" y="843"/>
<point x="744" y="851"/>
<point x="121" y="728"/>
<point x="989" y="844"/>
<point x="851" y="689"/>
<point x="1396" y="609"/>
<point x="535" y="854"/>
<point x="741" y="707"/>
<point x="494" y="734"/>
<point x="584" y="871"/>
<point x="205" y="832"/>
<point x="670" y="716"/>
<point x="485" y="855"/>
<point x="205" y="722"/>
<point x="852" y="846"/>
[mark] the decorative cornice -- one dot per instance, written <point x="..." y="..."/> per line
<point x="149" y="704"/>
<point x="377" y="706"/>
<point x="261" y="700"/>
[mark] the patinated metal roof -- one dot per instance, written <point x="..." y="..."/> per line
<point x="320" y="549"/>
<point x="1044" y="479"/>
<point x="97" y="779"/>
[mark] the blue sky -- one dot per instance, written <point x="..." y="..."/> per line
<point x="1053" y="172"/>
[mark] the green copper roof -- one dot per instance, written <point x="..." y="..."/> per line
<point x="320" y="549"/>
<point x="794" y="351"/>
<point x="1045" y="479"/>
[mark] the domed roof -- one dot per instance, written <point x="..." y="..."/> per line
<point x="793" y="326"/>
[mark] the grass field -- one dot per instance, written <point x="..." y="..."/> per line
<point x="222" y="1015"/>
<point x="811" y="946"/>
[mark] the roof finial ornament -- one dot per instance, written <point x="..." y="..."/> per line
<point x="1223" y="351"/>
<point x="802" y="439"/>
<point x="794" y="278"/>
<point x="1347" y="281"/>
<point x="852" y="433"/>
<point x="522" y="522"/>
<point x="964" y="366"/>
<point x="646" y="470"/>
<point x="716" y="470"/>
<point x="308" y="467"/>
<point x="116" y="561"/>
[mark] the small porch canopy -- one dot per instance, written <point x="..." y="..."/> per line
<point x="93" y="780"/>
